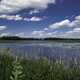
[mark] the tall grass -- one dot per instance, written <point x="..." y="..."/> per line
<point x="17" y="68"/>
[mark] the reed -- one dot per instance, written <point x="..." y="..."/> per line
<point x="20" y="68"/>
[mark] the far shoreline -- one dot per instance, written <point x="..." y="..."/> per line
<point x="16" y="39"/>
<point x="37" y="41"/>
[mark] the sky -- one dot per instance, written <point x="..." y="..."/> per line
<point x="40" y="18"/>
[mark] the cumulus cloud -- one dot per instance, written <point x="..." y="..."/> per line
<point x="45" y="29"/>
<point x="4" y="34"/>
<point x="74" y="33"/>
<point x="57" y="29"/>
<point x="46" y="32"/>
<point x="11" y="17"/>
<point x="34" y="11"/>
<point x="19" y="18"/>
<point x="38" y="33"/>
<point x="73" y="26"/>
<point x="62" y="24"/>
<point x="77" y="17"/>
<point x="8" y="6"/>
<point x="76" y="29"/>
<point x="33" y="19"/>
<point x="2" y="28"/>
<point x="66" y="23"/>
<point x="22" y="34"/>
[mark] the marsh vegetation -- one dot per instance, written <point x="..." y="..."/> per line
<point x="20" y="68"/>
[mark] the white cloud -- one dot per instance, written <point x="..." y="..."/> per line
<point x="40" y="33"/>
<point x="43" y="34"/>
<point x="19" y="18"/>
<point x="4" y="34"/>
<point x="36" y="19"/>
<point x="57" y="29"/>
<point x="46" y="32"/>
<point x="3" y="27"/>
<point x="8" y="6"/>
<point x="76" y="29"/>
<point x="22" y="34"/>
<point x="33" y="19"/>
<point x="62" y="24"/>
<point x="73" y="26"/>
<point x="34" y="11"/>
<point x="45" y="29"/>
<point x="75" y="33"/>
<point x="11" y="17"/>
<point x="77" y="17"/>
<point x="71" y="34"/>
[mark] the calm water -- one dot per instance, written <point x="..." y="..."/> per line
<point x="36" y="49"/>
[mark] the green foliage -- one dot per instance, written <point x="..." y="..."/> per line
<point x="17" y="71"/>
<point x="5" y="65"/>
<point x="41" y="69"/>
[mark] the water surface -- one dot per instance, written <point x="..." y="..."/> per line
<point x="49" y="49"/>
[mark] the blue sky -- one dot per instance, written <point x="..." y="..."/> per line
<point x="40" y="18"/>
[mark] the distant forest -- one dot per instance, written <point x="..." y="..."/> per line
<point x="40" y="39"/>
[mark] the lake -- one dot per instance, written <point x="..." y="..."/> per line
<point x="47" y="49"/>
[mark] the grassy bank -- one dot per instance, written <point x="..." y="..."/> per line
<point x="15" y="68"/>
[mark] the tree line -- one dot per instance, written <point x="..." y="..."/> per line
<point x="41" y="39"/>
